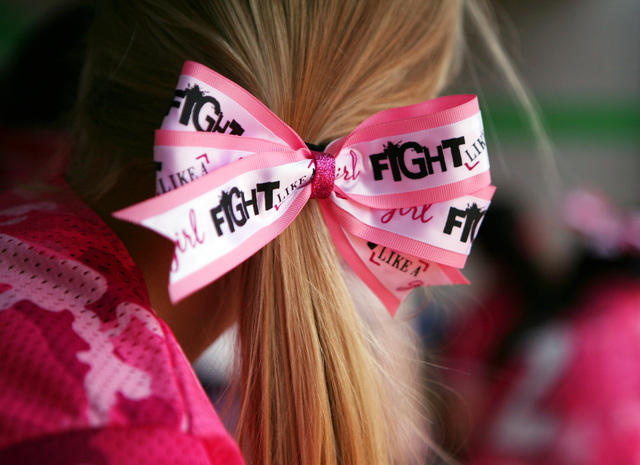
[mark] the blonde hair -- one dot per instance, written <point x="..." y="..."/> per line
<point x="312" y="379"/>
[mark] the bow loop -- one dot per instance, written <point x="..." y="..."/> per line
<point x="403" y="195"/>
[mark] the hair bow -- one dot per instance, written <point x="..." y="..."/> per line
<point x="403" y="195"/>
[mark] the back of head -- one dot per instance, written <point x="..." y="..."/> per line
<point x="311" y="389"/>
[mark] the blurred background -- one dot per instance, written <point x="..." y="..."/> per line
<point x="538" y="361"/>
<point x="581" y="59"/>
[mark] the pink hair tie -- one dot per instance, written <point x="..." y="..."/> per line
<point x="403" y="195"/>
<point x="325" y="175"/>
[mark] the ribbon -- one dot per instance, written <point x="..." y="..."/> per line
<point x="411" y="187"/>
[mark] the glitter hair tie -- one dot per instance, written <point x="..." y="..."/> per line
<point x="324" y="176"/>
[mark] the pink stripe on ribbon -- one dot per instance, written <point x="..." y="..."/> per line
<point x="421" y="197"/>
<point x="438" y="112"/>
<point x="221" y="141"/>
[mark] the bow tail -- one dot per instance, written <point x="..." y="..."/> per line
<point x="396" y="250"/>
<point x="389" y="273"/>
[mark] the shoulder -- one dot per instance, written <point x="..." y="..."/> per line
<point x="131" y="445"/>
<point x="82" y="350"/>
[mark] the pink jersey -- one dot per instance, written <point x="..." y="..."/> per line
<point x="571" y="394"/>
<point x="88" y="373"/>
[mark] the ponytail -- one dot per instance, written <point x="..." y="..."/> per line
<point x="310" y="390"/>
<point x="315" y="387"/>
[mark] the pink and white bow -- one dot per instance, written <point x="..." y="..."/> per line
<point x="402" y="195"/>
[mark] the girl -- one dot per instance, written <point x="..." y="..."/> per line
<point x="317" y="383"/>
